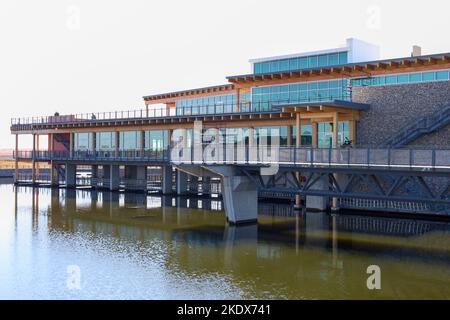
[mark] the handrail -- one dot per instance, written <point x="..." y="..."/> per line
<point x="371" y="158"/>
<point x="424" y="123"/>
<point x="243" y="107"/>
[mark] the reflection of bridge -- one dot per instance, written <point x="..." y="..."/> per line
<point x="405" y="180"/>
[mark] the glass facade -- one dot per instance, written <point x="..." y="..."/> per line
<point x="325" y="133"/>
<point x="106" y="141"/>
<point x="210" y="104"/>
<point x="314" y="61"/>
<point x="156" y="140"/>
<point x="83" y="141"/>
<point x="413" y="77"/>
<point x="313" y="91"/>
<point x="129" y="140"/>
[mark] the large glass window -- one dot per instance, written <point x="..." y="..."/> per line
<point x="130" y="140"/>
<point x="313" y="61"/>
<point x="314" y="91"/>
<point x="415" y="77"/>
<point x="207" y="105"/>
<point x="324" y="134"/>
<point x="306" y="135"/>
<point x="156" y="140"/>
<point x="106" y="141"/>
<point x="83" y="141"/>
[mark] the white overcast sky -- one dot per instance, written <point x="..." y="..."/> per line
<point x="76" y="56"/>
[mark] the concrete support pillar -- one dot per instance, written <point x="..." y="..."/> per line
<point x="54" y="174"/>
<point x="166" y="174"/>
<point x="111" y="173"/>
<point x="182" y="182"/>
<point x="94" y="176"/>
<point x="317" y="202"/>
<point x="240" y="198"/>
<point x="71" y="175"/>
<point x="193" y="184"/>
<point x="136" y="178"/>
<point x="16" y="162"/>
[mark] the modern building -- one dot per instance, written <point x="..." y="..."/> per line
<point x="321" y="99"/>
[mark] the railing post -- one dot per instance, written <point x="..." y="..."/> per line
<point x="368" y="157"/>
<point x="348" y="157"/>
<point x="329" y="156"/>
<point x="295" y="154"/>
<point x="410" y="158"/>
<point x="312" y="157"/>
<point x="389" y="158"/>
<point x="433" y="159"/>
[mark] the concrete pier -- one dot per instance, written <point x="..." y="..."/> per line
<point x="136" y="178"/>
<point x="166" y="174"/>
<point x="111" y="175"/>
<point x="316" y="202"/>
<point x="182" y="182"/>
<point x="71" y="175"/>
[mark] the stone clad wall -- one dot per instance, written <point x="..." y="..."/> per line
<point x="395" y="106"/>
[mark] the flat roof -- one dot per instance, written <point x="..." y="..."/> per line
<point x="189" y="92"/>
<point x="335" y="103"/>
<point x="359" y="66"/>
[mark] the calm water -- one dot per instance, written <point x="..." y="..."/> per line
<point x="85" y="245"/>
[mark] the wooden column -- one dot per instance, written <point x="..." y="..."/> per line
<point x="37" y="149"/>
<point x="33" y="160"/>
<point x="298" y="131"/>
<point x="335" y="130"/>
<point x="289" y="136"/>
<point x="16" y="164"/>
<point x="314" y="134"/>
<point x="352" y="131"/>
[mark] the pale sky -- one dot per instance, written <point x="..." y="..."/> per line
<point x="75" y="56"/>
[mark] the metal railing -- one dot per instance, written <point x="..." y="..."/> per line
<point x="414" y="159"/>
<point x="411" y="159"/>
<point x="210" y="109"/>
<point x="121" y="155"/>
<point x="426" y="124"/>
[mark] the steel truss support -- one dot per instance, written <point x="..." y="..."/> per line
<point x="377" y="186"/>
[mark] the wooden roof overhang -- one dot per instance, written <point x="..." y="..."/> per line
<point x="171" y="97"/>
<point x="366" y="69"/>
<point x="156" y="123"/>
<point x="326" y="110"/>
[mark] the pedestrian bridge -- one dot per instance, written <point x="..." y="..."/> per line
<point x="323" y="178"/>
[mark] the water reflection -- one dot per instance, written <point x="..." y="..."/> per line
<point x="138" y="246"/>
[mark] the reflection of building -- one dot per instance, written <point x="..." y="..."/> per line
<point x="315" y="256"/>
